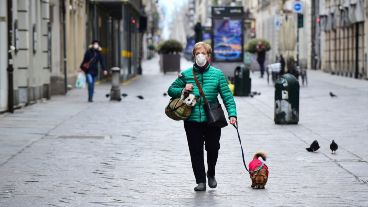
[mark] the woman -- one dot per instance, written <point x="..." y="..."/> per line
<point x="93" y="56"/>
<point x="198" y="132"/>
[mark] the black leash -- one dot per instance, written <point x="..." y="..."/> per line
<point x="242" y="151"/>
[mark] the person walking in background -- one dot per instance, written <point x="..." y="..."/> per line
<point x="261" y="57"/>
<point x="198" y="132"/>
<point x="93" y="56"/>
<point x="282" y="63"/>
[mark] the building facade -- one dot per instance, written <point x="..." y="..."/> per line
<point x="68" y="42"/>
<point x="31" y="57"/>
<point x="151" y="37"/>
<point x="3" y="56"/>
<point x="277" y="22"/>
<point x="332" y="36"/>
<point x="51" y="36"/>
<point x="343" y="39"/>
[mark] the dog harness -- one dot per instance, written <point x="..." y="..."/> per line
<point x="257" y="170"/>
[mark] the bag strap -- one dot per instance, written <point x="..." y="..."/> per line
<point x="199" y="87"/>
<point x="91" y="60"/>
<point x="236" y="126"/>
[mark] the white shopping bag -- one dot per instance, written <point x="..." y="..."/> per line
<point x="81" y="80"/>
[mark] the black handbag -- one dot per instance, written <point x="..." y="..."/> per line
<point x="215" y="114"/>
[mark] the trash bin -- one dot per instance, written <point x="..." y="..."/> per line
<point x="286" y="100"/>
<point x="115" y="84"/>
<point x="242" y="81"/>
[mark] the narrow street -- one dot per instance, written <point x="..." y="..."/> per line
<point x="68" y="152"/>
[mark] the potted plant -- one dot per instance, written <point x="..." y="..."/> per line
<point x="257" y="45"/>
<point x="169" y="51"/>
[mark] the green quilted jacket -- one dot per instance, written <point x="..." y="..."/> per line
<point x="213" y="82"/>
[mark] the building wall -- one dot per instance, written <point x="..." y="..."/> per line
<point x="31" y="69"/>
<point x="366" y="41"/>
<point x="265" y="28"/>
<point x="3" y="56"/>
<point x="57" y="65"/>
<point x="76" y="43"/>
<point x="203" y="12"/>
<point x="283" y="38"/>
<point x="343" y="43"/>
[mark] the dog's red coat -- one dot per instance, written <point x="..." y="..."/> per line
<point x="255" y="164"/>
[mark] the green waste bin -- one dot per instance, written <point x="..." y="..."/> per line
<point x="286" y="100"/>
<point x="242" y="81"/>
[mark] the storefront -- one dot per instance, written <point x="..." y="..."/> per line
<point x="118" y="25"/>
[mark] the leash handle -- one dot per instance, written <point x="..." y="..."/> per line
<point x="236" y="126"/>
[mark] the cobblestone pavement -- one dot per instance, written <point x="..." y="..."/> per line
<point x="68" y="152"/>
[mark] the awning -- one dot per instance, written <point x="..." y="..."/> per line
<point x="337" y="17"/>
<point x="115" y="6"/>
<point x="356" y="11"/>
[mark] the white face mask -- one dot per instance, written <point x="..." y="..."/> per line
<point x="95" y="46"/>
<point x="201" y="60"/>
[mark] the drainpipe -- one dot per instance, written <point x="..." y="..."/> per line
<point x="356" y="50"/>
<point x="10" y="68"/>
<point x="95" y="26"/>
<point x="64" y="47"/>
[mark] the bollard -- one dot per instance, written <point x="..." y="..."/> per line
<point x="287" y="100"/>
<point x="242" y="81"/>
<point x="115" y="84"/>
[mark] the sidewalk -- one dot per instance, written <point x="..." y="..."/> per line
<point x="68" y="152"/>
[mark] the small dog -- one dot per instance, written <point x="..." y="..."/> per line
<point x="189" y="99"/>
<point x="258" y="171"/>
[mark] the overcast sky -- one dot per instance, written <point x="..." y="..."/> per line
<point x="169" y="8"/>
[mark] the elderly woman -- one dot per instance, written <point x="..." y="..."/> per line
<point x="199" y="133"/>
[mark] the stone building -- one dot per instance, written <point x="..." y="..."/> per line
<point x="30" y="29"/>
<point x="277" y="22"/>
<point x="343" y="33"/>
<point x="51" y="36"/>
<point x="68" y="35"/>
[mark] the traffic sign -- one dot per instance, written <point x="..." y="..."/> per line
<point x="298" y="7"/>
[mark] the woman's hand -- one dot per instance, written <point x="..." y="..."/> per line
<point x="232" y="120"/>
<point x="189" y="87"/>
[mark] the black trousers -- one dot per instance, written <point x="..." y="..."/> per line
<point x="199" y="134"/>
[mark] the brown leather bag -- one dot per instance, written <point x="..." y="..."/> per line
<point x="85" y="66"/>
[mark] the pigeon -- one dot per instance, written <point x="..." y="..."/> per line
<point x="313" y="147"/>
<point x="255" y="93"/>
<point x="165" y="94"/>
<point x="124" y="95"/>
<point x="332" y="94"/>
<point x="333" y="147"/>
<point x="140" y="97"/>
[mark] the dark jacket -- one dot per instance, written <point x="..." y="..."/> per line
<point x="282" y="63"/>
<point x="96" y="57"/>
<point x="213" y="82"/>
<point x="261" y="56"/>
